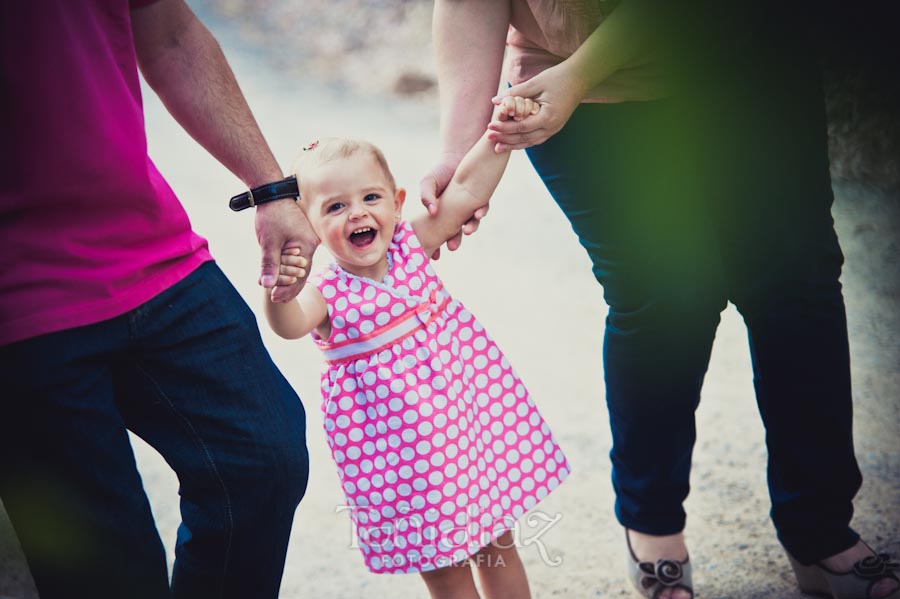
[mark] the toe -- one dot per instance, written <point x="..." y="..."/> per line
<point x="884" y="588"/>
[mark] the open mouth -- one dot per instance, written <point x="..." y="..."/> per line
<point x="362" y="237"/>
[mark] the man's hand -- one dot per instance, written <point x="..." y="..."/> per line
<point x="433" y="185"/>
<point x="281" y="225"/>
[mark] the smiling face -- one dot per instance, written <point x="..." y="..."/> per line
<point x="353" y="207"/>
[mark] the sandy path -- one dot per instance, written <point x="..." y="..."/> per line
<point x="527" y="279"/>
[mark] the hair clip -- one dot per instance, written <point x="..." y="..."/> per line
<point x="311" y="146"/>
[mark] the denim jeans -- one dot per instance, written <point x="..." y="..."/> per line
<point x="188" y="373"/>
<point x="683" y="204"/>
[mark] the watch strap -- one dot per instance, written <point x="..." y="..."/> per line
<point x="277" y="190"/>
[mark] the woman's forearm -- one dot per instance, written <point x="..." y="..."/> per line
<point x="634" y="33"/>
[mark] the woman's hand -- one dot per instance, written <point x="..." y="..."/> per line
<point x="556" y="91"/>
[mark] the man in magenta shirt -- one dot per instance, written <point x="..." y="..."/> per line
<point x="113" y="316"/>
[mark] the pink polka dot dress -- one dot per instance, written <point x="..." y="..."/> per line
<point x="438" y="445"/>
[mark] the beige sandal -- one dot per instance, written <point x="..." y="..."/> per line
<point x="818" y="580"/>
<point x="652" y="579"/>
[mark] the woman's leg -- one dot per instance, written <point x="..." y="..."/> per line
<point x="625" y="177"/>
<point x="501" y="571"/>
<point x="783" y="262"/>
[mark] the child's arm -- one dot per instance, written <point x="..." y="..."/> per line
<point x="296" y="318"/>
<point x="472" y="184"/>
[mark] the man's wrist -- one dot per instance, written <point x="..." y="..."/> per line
<point x="263" y="194"/>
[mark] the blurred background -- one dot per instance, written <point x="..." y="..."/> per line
<point x="365" y="68"/>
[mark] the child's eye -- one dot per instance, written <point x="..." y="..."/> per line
<point x="334" y="207"/>
<point x="371" y="197"/>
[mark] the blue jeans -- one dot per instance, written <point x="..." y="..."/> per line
<point x="721" y="194"/>
<point x="188" y="373"/>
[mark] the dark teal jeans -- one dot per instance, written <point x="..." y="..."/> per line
<point x="719" y="194"/>
<point x="188" y="373"/>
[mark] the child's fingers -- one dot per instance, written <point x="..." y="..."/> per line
<point x="520" y="107"/>
<point x="286" y="280"/>
<point x="507" y="108"/>
<point x="527" y="105"/>
<point x="294" y="260"/>
<point x="292" y="271"/>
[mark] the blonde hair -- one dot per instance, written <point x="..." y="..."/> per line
<point x="333" y="148"/>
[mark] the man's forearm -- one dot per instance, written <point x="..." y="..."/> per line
<point x="469" y="39"/>
<point x="184" y="65"/>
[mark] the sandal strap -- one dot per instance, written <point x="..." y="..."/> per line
<point x="859" y="581"/>
<point x="876" y="566"/>
<point x="651" y="579"/>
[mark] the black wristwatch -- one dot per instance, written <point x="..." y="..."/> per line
<point x="277" y="190"/>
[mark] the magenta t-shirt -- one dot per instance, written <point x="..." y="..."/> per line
<point x="89" y="229"/>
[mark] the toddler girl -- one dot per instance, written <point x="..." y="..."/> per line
<point x="438" y="445"/>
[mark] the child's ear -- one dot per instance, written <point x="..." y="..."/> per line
<point x="399" y="198"/>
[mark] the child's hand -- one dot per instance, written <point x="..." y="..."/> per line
<point x="516" y="108"/>
<point x="293" y="269"/>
